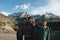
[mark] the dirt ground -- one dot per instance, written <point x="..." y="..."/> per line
<point x="7" y="36"/>
<point x="12" y="36"/>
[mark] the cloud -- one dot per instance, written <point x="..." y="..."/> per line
<point x="23" y="6"/>
<point x="53" y="7"/>
<point x="17" y="6"/>
<point x="5" y="13"/>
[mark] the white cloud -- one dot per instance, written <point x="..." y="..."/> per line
<point x="25" y="6"/>
<point x="5" y="13"/>
<point x="53" y="7"/>
<point x="17" y="6"/>
<point x="28" y="4"/>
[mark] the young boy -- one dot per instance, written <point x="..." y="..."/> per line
<point x="46" y="35"/>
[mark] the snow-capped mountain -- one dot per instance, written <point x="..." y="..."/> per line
<point x="49" y="15"/>
<point x="5" y="13"/>
<point x="19" y="14"/>
<point x="25" y="14"/>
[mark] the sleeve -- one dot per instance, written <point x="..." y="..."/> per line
<point x="42" y="33"/>
<point x="48" y="36"/>
<point x="20" y="29"/>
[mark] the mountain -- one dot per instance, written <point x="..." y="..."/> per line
<point x="5" y="13"/>
<point x="18" y="15"/>
<point x="49" y="15"/>
<point x="36" y="16"/>
<point x="7" y="22"/>
<point x="6" y="19"/>
<point x="23" y="14"/>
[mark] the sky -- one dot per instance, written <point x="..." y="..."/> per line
<point x="34" y="7"/>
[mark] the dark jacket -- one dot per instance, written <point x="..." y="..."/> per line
<point x="38" y="32"/>
<point x="20" y="32"/>
<point x="25" y="30"/>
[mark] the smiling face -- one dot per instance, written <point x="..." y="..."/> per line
<point x="37" y="22"/>
<point x="30" y="19"/>
<point x="24" y="21"/>
<point x="44" y="23"/>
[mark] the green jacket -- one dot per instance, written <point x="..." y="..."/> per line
<point x="46" y="34"/>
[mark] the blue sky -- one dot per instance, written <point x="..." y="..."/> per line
<point x="10" y="6"/>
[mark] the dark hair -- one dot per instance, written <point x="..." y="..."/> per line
<point x="44" y="20"/>
<point x="36" y="19"/>
<point x="30" y="17"/>
<point x="24" y="19"/>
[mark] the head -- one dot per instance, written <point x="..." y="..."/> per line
<point x="24" y="20"/>
<point x="44" y="22"/>
<point x="37" y="21"/>
<point x="30" y="19"/>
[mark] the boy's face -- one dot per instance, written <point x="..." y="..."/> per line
<point x="44" y="23"/>
<point x="37" y="22"/>
<point x="24" y="21"/>
<point x="30" y="20"/>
